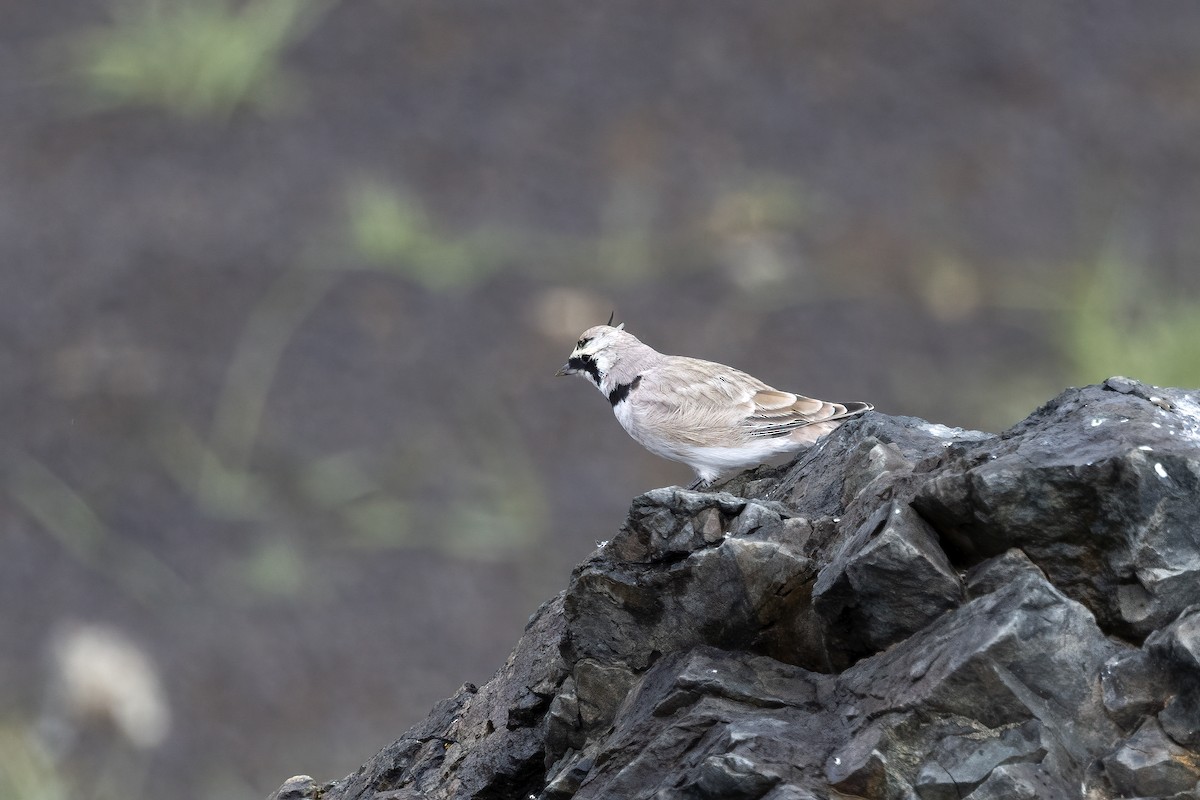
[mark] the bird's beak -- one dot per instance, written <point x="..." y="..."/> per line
<point x="567" y="369"/>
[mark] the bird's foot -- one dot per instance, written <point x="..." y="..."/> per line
<point x="699" y="485"/>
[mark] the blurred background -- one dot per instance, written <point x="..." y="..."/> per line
<point x="284" y="283"/>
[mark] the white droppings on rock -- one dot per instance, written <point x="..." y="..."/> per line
<point x="1145" y="447"/>
<point x="1162" y="473"/>
<point x="1096" y="422"/>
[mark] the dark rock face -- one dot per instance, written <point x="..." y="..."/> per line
<point x="1100" y="488"/>
<point x="905" y="611"/>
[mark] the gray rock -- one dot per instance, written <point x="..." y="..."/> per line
<point x="1098" y="487"/>
<point x="961" y="763"/>
<point x="298" y="787"/>
<point x="871" y="455"/>
<point x="565" y="777"/>
<point x="790" y="792"/>
<point x="906" y="611"/>
<point x="600" y="689"/>
<point x="1023" y="651"/>
<point x="656" y="590"/>
<point x="731" y="777"/>
<point x="1181" y="719"/>
<point x="996" y="573"/>
<point x="564" y="724"/>
<point x="1022" y="782"/>
<point x="1179" y="642"/>
<point x="860" y="767"/>
<point x="893" y="556"/>
<point x="1175" y="651"/>
<point x="1134" y="685"/>
<point x="1151" y="765"/>
<point x="723" y="721"/>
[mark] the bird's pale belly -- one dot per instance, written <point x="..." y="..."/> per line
<point x="707" y="460"/>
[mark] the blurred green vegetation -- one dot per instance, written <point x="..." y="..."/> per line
<point x="29" y="770"/>
<point x="193" y="58"/>
<point x="275" y="567"/>
<point x="68" y="517"/>
<point x="26" y="770"/>
<point x="1120" y="323"/>
<point x="392" y="231"/>
<point x="223" y="480"/>
<point x="501" y="508"/>
<point x="744" y="229"/>
<point x="496" y="500"/>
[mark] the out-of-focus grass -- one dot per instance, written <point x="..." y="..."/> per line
<point x="392" y="231"/>
<point x="1120" y="324"/>
<point x="220" y="484"/>
<point x="194" y="58"/>
<point x="747" y="233"/>
<point x="501" y="506"/>
<point x="752" y="227"/>
<point x="378" y="522"/>
<point x="66" y="515"/>
<point x="498" y="503"/>
<point x="277" y="567"/>
<point x="26" y="770"/>
<point x="503" y="509"/>
<point x="373" y="516"/>
<point x="32" y="770"/>
<point x="251" y="372"/>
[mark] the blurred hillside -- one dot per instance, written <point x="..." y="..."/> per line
<point x="283" y="286"/>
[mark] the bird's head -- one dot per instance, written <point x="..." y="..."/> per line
<point x="597" y="351"/>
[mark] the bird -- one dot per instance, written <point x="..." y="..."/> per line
<point x="714" y="418"/>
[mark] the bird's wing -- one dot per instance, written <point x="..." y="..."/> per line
<point x="703" y="399"/>
<point x="779" y="413"/>
<point x="698" y="402"/>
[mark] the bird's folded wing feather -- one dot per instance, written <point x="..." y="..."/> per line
<point x="696" y="400"/>
<point x="699" y="398"/>
<point x="777" y="413"/>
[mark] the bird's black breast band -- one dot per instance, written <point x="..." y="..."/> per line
<point x="622" y="390"/>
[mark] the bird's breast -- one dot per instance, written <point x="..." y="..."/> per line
<point x="620" y="392"/>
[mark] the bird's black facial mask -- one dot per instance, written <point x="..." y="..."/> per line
<point x="585" y="363"/>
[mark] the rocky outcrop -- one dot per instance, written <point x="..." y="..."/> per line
<point x="905" y="611"/>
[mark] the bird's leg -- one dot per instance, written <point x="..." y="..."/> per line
<point x="698" y="485"/>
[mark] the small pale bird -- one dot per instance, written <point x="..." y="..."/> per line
<point x="713" y="418"/>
